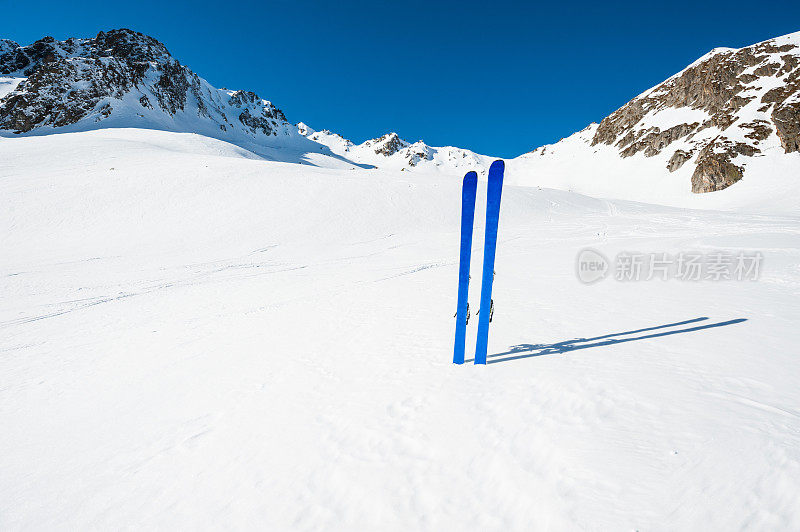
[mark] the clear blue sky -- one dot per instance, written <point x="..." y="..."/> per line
<point x="497" y="77"/>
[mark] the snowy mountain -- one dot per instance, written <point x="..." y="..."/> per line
<point x="391" y="152"/>
<point x="731" y="115"/>
<point x="122" y="75"/>
<point x="122" y="78"/>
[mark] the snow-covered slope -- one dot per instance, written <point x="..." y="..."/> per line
<point x="193" y="338"/>
<point x="197" y="332"/>
<point x="573" y="164"/>
<point x="393" y="153"/>
<point x="124" y="79"/>
<point x="732" y="115"/>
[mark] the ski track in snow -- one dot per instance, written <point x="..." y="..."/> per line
<point x="224" y="342"/>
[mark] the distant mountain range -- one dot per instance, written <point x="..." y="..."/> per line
<point x="699" y="130"/>
<point x="122" y="78"/>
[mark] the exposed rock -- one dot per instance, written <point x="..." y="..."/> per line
<point x="388" y="144"/>
<point x="656" y="140"/>
<point x="770" y="69"/>
<point x="170" y="89"/>
<point x="7" y="45"/>
<point x="759" y="130"/>
<point x="267" y="117"/>
<point x="61" y="92"/>
<point x="256" y="123"/>
<point x="720" y="85"/>
<point x="247" y="98"/>
<point x="129" y="45"/>
<point x="105" y="111"/>
<point x="790" y="63"/>
<point x="417" y="152"/>
<point x="621" y="120"/>
<point x="714" y="170"/>
<point x="304" y="130"/>
<point x="787" y="126"/>
<point x="677" y="159"/>
<point x="24" y="60"/>
<point x="76" y="79"/>
<point x="67" y="80"/>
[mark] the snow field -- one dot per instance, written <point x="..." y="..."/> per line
<point x="198" y="339"/>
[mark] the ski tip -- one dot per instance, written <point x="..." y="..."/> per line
<point x="497" y="166"/>
<point x="471" y="175"/>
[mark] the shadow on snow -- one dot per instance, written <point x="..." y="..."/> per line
<point x="534" y="350"/>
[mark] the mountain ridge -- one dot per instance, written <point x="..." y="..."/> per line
<point x="123" y="78"/>
<point x="714" y="117"/>
<point x="718" y="113"/>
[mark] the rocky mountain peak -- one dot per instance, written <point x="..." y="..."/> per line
<point x="417" y="152"/>
<point x="7" y="45"/>
<point x="126" y="78"/>
<point x="129" y="45"/>
<point x="723" y="108"/>
<point x="123" y="44"/>
<point x="304" y="129"/>
<point x="391" y="144"/>
<point x="387" y="145"/>
<point x="123" y="78"/>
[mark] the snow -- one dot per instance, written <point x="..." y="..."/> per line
<point x="196" y="337"/>
<point x="237" y="117"/>
<point x="670" y="116"/>
<point x="769" y="184"/>
<point x="573" y="164"/>
<point x="789" y="38"/>
<point x="8" y="85"/>
<point x="219" y="120"/>
<point x="416" y="156"/>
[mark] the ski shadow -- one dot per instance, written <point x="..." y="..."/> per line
<point x="520" y="351"/>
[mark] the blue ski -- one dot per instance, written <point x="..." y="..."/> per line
<point x="493" y="194"/>
<point x="467" y="218"/>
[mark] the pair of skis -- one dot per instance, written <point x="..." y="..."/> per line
<point x="493" y="193"/>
